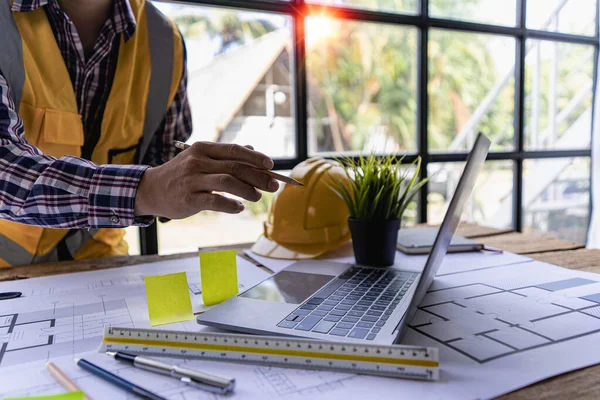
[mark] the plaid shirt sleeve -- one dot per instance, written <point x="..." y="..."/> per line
<point x="66" y="192"/>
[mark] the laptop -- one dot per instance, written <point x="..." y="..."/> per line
<point x="344" y="302"/>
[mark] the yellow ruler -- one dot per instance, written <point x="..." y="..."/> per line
<point x="395" y="361"/>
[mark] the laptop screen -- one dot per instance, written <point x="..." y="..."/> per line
<point x="463" y="191"/>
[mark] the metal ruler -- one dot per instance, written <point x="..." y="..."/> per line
<point x="395" y="361"/>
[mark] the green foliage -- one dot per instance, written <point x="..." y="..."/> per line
<point x="225" y="24"/>
<point x="365" y="78"/>
<point x="462" y="72"/>
<point x="379" y="188"/>
<point x="260" y="208"/>
<point x="368" y="73"/>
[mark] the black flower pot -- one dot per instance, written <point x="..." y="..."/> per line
<point x="374" y="242"/>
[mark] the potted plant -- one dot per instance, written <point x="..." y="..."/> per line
<point x="377" y="193"/>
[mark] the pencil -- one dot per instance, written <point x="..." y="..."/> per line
<point x="274" y="175"/>
<point x="64" y="380"/>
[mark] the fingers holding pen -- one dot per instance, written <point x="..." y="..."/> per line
<point x="242" y="172"/>
<point x="232" y="152"/>
<point x="215" y="202"/>
<point x="200" y="170"/>
<point x="226" y="184"/>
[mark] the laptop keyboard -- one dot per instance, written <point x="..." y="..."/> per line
<point x="356" y="304"/>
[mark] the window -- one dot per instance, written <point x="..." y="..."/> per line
<point x="492" y="201"/>
<point x="399" y="6"/>
<point x="572" y="16"/>
<point x="556" y="197"/>
<point x="471" y="90"/>
<point x="361" y="80"/>
<point x="558" y="95"/>
<point x="240" y="86"/>
<point x="482" y="11"/>
<point x="404" y="77"/>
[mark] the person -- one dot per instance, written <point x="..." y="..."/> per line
<point x="92" y="97"/>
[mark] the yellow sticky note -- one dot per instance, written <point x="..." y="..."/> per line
<point x="168" y="298"/>
<point x="63" y="396"/>
<point x="218" y="272"/>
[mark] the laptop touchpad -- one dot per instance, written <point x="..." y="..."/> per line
<point x="288" y="287"/>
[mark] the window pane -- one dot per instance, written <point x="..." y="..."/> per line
<point x="559" y="81"/>
<point x="240" y="76"/>
<point x="471" y="90"/>
<point x="398" y="6"/>
<point x="132" y="237"/>
<point x="410" y="216"/>
<point x="482" y="11"/>
<point x="556" y="196"/>
<point x="361" y="86"/>
<point x="570" y="16"/>
<point x="492" y="202"/>
<point x="208" y="228"/>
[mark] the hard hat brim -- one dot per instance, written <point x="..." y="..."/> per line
<point x="269" y="248"/>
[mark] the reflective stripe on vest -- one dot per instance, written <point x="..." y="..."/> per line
<point x="11" y="49"/>
<point x="74" y="240"/>
<point x="161" y="43"/>
<point x="160" y="39"/>
<point x="14" y="254"/>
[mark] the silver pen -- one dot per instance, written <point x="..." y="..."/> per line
<point x="201" y="380"/>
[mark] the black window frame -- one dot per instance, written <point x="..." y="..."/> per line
<point x="298" y="9"/>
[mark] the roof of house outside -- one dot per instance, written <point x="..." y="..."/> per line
<point x="218" y="90"/>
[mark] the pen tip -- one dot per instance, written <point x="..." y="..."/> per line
<point x="76" y="360"/>
<point x="111" y="353"/>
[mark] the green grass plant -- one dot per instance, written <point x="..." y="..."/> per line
<point x="378" y="188"/>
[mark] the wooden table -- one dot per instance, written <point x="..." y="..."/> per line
<point x="581" y="384"/>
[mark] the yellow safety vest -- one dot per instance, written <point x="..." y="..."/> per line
<point x="147" y="76"/>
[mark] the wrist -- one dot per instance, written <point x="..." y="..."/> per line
<point x="143" y="196"/>
<point x="111" y="195"/>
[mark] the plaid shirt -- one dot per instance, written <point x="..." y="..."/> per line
<point x="70" y="192"/>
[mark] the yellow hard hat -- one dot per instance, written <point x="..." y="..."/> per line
<point x="306" y="221"/>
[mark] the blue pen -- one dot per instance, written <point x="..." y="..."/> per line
<point x="10" y="295"/>
<point x="117" y="381"/>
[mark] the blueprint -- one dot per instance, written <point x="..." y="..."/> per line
<point x="490" y="316"/>
<point x="512" y="321"/>
<point x="66" y="314"/>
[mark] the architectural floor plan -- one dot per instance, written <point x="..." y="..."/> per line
<point x="58" y="331"/>
<point x="486" y="322"/>
<point x="59" y="316"/>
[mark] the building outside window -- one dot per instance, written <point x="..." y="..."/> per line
<point x="402" y="77"/>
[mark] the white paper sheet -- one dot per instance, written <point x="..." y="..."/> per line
<point x="452" y="264"/>
<point x="498" y="329"/>
<point x="66" y="314"/>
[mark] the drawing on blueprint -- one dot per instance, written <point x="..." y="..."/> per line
<point x="62" y="330"/>
<point x="103" y="284"/>
<point x="262" y="382"/>
<point x="286" y="381"/>
<point x="485" y="322"/>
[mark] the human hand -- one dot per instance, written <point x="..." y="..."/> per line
<point x="184" y="186"/>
